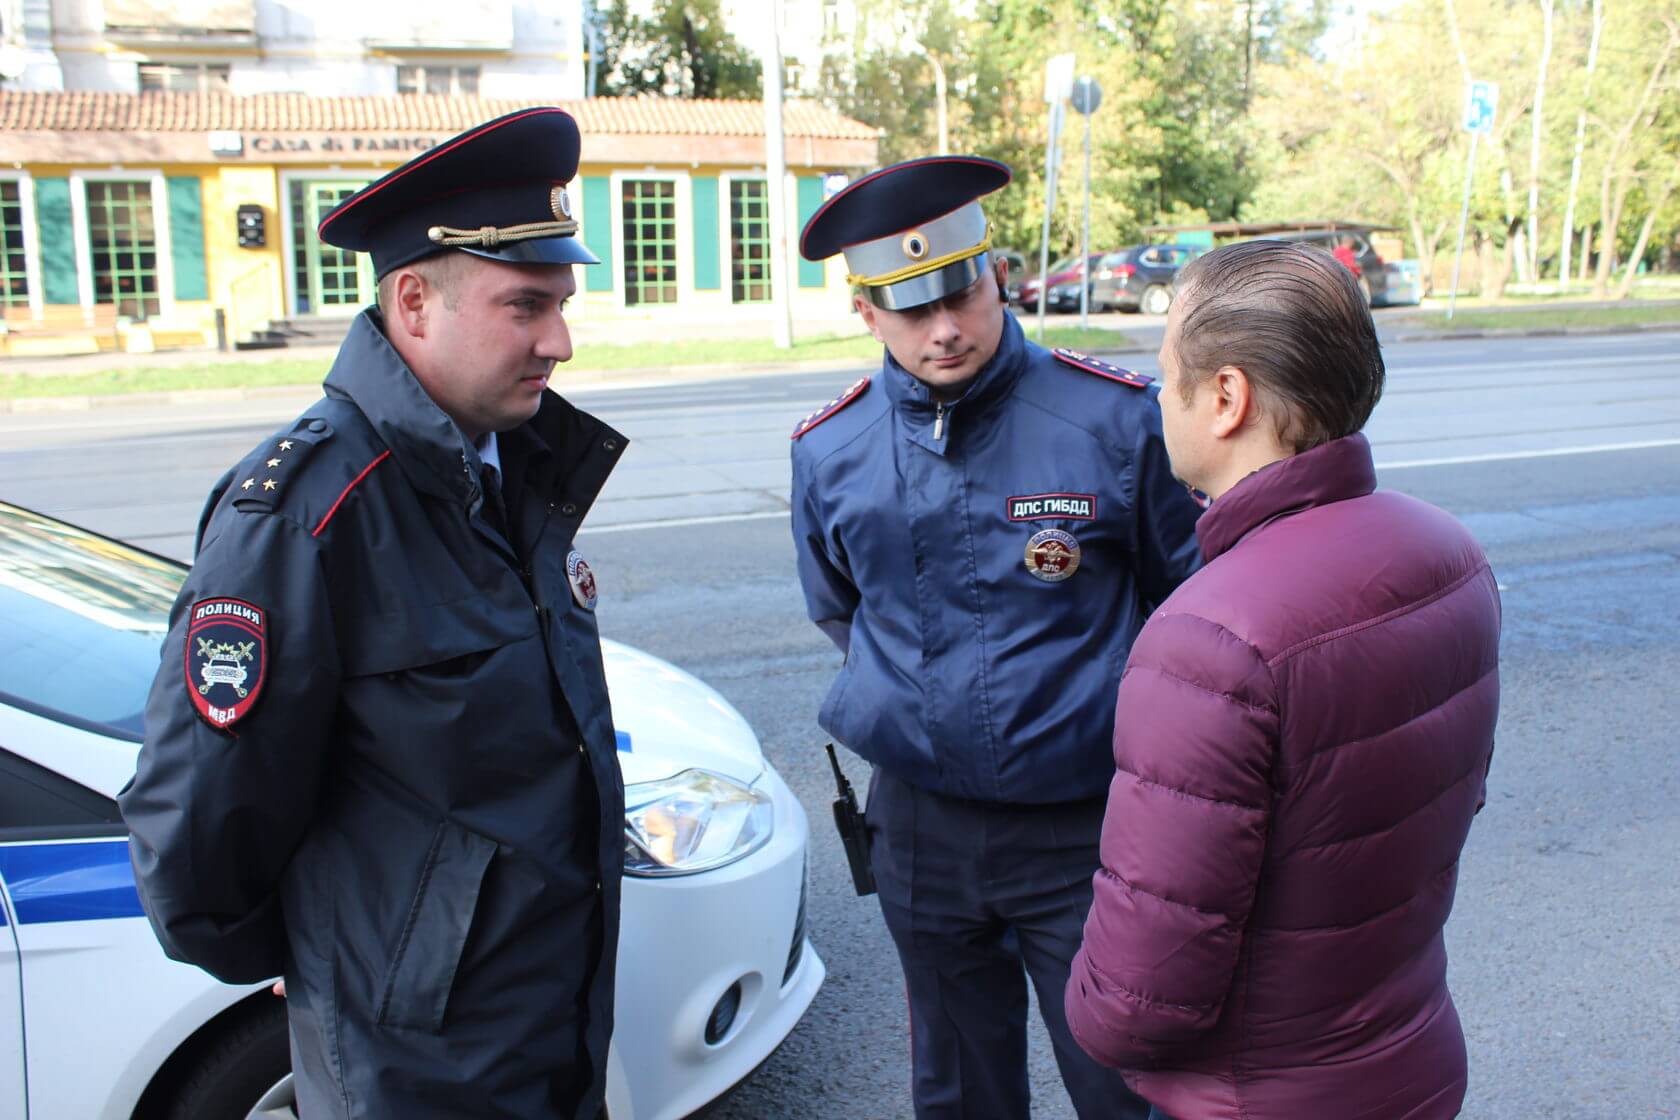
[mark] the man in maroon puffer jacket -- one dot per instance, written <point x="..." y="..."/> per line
<point x="1302" y="738"/>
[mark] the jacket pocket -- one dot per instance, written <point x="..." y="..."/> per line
<point x="422" y="971"/>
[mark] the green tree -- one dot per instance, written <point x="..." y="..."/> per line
<point x="681" y="50"/>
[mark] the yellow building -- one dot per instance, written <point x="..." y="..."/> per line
<point x="138" y="220"/>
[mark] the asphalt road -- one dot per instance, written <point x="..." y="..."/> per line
<point x="1562" y="454"/>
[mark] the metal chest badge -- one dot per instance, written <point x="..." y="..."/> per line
<point x="1052" y="555"/>
<point x="227" y="659"/>
<point x="582" y="580"/>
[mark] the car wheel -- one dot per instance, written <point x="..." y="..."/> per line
<point x="1156" y="300"/>
<point x="239" y="1068"/>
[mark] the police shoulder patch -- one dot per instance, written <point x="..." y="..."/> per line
<point x="852" y="393"/>
<point x="1102" y="369"/>
<point x="226" y="659"/>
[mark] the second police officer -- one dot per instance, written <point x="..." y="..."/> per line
<point x="981" y="529"/>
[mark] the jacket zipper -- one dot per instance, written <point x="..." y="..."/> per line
<point x="938" y="421"/>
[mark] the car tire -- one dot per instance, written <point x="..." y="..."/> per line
<point x="1156" y="300"/>
<point x="236" y="1068"/>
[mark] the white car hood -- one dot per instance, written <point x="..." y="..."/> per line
<point x="668" y="721"/>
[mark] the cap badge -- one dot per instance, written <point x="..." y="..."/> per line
<point x="915" y="245"/>
<point x="1052" y="555"/>
<point x="582" y="580"/>
<point x="561" y="203"/>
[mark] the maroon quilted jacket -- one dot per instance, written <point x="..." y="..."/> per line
<point x="1303" y="736"/>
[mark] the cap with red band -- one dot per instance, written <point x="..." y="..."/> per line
<point x="498" y="190"/>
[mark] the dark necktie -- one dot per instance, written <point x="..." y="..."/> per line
<point x="493" y="512"/>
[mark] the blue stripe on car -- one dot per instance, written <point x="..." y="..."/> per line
<point x="623" y="741"/>
<point x="70" y="882"/>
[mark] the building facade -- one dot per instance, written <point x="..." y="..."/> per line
<point x="150" y="199"/>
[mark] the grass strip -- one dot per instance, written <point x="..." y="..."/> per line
<point x="142" y="378"/>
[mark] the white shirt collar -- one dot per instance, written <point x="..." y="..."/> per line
<point x="490" y="455"/>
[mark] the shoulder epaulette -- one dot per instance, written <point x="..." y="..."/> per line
<point x="262" y="476"/>
<point x="1102" y="369"/>
<point x="852" y="393"/>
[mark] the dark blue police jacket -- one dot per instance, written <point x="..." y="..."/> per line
<point x="379" y="757"/>
<point x="987" y="578"/>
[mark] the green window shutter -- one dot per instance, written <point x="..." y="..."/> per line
<point x="596" y="230"/>
<point x="186" y="238"/>
<point x="810" y="199"/>
<point x="57" y="241"/>
<point x="707" y="276"/>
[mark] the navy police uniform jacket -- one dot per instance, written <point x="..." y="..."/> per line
<point x="379" y="758"/>
<point x="985" y="565"/>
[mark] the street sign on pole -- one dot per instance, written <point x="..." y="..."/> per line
<point x="1087" y="95"/>
<point x="1481" y="99"/>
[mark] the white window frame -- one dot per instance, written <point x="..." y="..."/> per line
<point x="160" y="222"/>
<point x="757" y="175"/>
<point x="288" y="249"/>
<point x="31" y="239"/>
<point x="685" y="233"/>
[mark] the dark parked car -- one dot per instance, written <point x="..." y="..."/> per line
<point x="1139" y="278"/>
<point x="1354" y="250"/>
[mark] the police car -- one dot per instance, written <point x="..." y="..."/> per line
<point x="714" y="965"/>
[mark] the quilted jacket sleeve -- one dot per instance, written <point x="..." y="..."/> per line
<point x="1195" y="732"/>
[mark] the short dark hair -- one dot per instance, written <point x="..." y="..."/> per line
<point x="1293" y="318"/>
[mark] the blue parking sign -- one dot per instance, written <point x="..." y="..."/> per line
<point x="1479" y="103"/>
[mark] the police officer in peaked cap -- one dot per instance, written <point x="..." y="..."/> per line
<point x="981" y="528"/>
<point x="379" y="759"/>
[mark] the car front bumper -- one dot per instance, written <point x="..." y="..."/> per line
<point x="685" y="944"/>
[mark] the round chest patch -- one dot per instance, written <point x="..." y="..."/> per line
<point x="1053" y="555"/>
<point x="582" y="580"/>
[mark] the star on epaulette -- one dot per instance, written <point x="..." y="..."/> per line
<point x="1101" y="368"/>
<point x="852" y="393"/>
<point x="267" y="466"/>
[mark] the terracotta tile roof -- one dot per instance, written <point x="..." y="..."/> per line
<point x="80" y="111"/>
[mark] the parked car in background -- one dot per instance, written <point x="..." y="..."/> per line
<point x="1354" y="250"/>
<point x="1063" y="271"/>
<point x="1139" y="278"/>
<point x="1403" y="284"/>
<point x="714" y="966"/>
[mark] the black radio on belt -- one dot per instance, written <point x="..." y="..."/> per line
<point x="853" y="834"/>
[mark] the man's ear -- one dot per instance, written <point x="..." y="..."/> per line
<point x="867" y="311"/>
<point x="409" y="292"/>
<point x="1234" y="402"/>
<point x="1002" y="273"/>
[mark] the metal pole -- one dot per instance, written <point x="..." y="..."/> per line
<point x="1463" y="218"/>
<point x="781" y="276"/>
<point x="1085" y="239"/>
<point x="1050" y="162"/>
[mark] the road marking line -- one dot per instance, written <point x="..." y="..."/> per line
<point x="1547" y="453"/>
<point x="675" y="522"/>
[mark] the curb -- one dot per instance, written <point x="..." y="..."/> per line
<point x="1528" y="332"/>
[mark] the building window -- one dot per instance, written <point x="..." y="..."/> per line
<point x="122" y="246"/>
<point x="442" y="81"/>
<point x="749" y="241"/>
<point x="14" y="274"/>
<point x="172" y="77"/>
<point x="650" y="241"/>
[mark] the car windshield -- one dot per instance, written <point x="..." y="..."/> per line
<point x="82" y="621"/>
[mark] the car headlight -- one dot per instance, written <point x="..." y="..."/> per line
<point x="694" y="821"/>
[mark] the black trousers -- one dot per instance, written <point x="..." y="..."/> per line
<point x="978" y="897"/>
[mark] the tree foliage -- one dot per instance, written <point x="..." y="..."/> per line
<point x="681" y="50"/>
